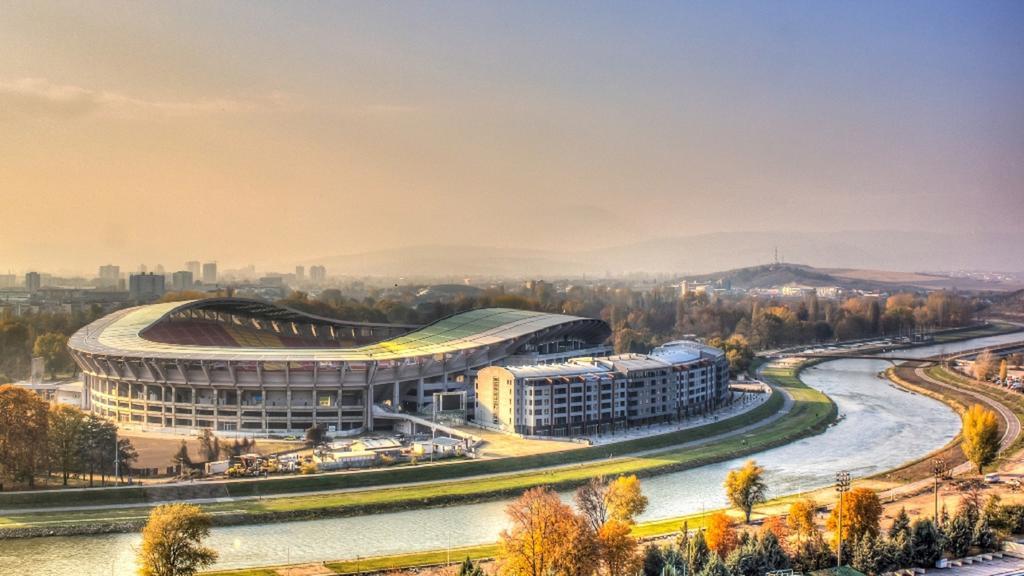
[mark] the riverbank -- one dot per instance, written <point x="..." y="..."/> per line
<point x="794" y="411"/>
<point x="885" y="482"/>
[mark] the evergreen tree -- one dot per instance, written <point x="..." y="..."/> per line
<point x="984" y="537"/>
<point x="902" y="551"/>
<point x="745" y="559"/>
<point x="714" y="567"/>
<point x="812" y="554"/>
<point x="654" y="560"/>
<point x="901" y="524"/>
<point x="926" y="543"/>
<point x="470" y="569"/>
<point x="673" y="559"/>
<point x="865" y="554"/>
<point x="959" y="534"/>
<point x="698" y="555"/>
<point x="773" y="556"/>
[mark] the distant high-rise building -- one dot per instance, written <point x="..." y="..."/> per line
<point x="33" y="281"/>
<point x="145" y="287"/>
<point x="159" y="269"/>
<point x="193" y="267"/>
<point x="300" y="274"/>
<point x="109" y="275"/>
<point x="317" y="274"/>
<point x="210" y="273"/>
<point x="143" y="269"/>
<point x="8" y="280"/>
<point x="181" y="281"/>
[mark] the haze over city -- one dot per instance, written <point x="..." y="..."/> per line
<point x="152" y="132"/>
<point x="481" y="288"/>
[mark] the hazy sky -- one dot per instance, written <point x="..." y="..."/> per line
<point x="257" y="132"/>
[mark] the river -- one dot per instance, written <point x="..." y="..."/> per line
<point x="875" y="435"/>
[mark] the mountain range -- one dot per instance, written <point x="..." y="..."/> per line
<point x="697" y="254"/>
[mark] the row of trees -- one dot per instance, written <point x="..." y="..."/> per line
<point x="642" y="319"/>
<point x="548" y="537"/>
<point x="39" y="439"/>
<point x="987" y="365"/>
<point x="40" y="334"/>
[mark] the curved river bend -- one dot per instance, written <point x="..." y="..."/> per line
<point x="875" y="435"/>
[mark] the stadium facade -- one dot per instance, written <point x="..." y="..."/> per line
<point x="587" y="396"/>
<point x="233" y="364"/>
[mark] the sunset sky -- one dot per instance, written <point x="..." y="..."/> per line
<point x="276" y="132"/>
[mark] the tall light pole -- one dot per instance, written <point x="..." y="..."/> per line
<point x="938" y="471"/>
<point x="842" y="486"/>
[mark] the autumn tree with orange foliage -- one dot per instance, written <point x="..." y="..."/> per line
<point x="800" y="517"/>
<point x="862" y="512"/>
<point x="776" y="526"/>
<point x="721" y="534"/>
<point x="546" y="538"/>
<point x="609" y="510"/>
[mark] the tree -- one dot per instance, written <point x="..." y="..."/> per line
<point x="209" y="445"/>
<point x="862" y="512"/>
<point x="99" y="442"/>
<point x="316" y="434"/>
<point x="812" y="553"/>
<point x="801" y="517"/>
<point x="745" y="487"/>
<point x="624" y="499"/>
<point x="980" y="436"/>
<point x="181" y="457"/>
<point x="544" y="535"/>
<point x="24" y="422"/>
<point x="1002" y="370"/>
<point x="714" y="567"/>
<point x="776" y="526"/>
<point x="66" y="438"/>
<point x="53" y="348"/>
<point x="618" y="548"/>
<point x="698" y="553"/>
<point x="721" y="534"/>
<point x="925" y="542"/>
<point x="600" y="501"/>
<point x="172" y="541"/>
<point x="958" y="535"/>
<point x="900" y="524"/>
<point x="983" y="536"/>
<point x="773" y="556"/>
<point x="126" y="456"/>
<point x="469" y="569"/>
<point x="654" y="560"/>
<point x="590" y="501"/>
<point x="984" y="365"/>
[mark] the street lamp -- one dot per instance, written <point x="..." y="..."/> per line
<point x="842" y="486"/>
<point x="938" y="471"/>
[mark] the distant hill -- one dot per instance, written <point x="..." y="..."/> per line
<point x="771" y="275"/>
<point x="844" y="254"/>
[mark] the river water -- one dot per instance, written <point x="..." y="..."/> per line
<point x="876" y="434"/>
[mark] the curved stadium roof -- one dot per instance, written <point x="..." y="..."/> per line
<point x="120" y="334"/>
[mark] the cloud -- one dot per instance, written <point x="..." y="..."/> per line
<point x="39" y="96"/>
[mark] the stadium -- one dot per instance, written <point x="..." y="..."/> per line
<point x="233" y="364"/>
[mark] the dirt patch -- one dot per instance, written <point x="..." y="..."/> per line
<point x="156" y="449"/>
